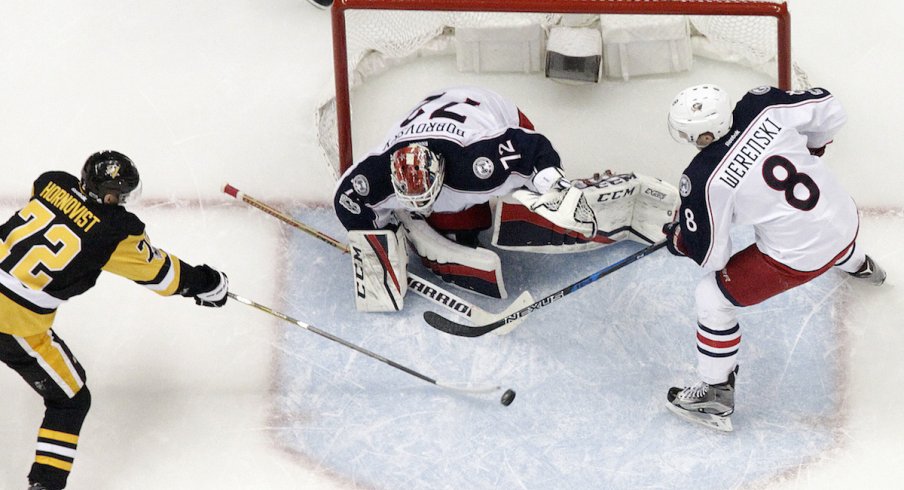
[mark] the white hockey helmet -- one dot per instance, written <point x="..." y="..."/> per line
<point x="698" y="110"/>
<point x="417" y="176"/>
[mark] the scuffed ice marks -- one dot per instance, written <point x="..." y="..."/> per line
<point x="591" y="374"/>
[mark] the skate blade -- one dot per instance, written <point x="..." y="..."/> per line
<point x="717" y="422"/>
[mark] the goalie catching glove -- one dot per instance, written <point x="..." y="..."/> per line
<point x="380" y="266"/>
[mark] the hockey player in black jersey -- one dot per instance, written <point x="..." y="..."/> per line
<point x="759" y="165"/>
<point x="55" y="248"/>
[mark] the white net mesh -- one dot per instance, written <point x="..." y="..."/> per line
<point x="400" y="33"/>
<point x="379" y="39"/>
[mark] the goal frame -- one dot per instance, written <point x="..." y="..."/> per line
<point x="658" y="7"/>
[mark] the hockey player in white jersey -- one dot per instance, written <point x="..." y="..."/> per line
<point x="470" y="143"/>
<point x="759" y="165"/>
<point x="435" y="174"/>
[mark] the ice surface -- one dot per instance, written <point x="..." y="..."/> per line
<point x="203" y="92"/>
<point x="591" y="374"/>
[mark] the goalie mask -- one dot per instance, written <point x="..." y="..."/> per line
<point x="698" y="110"/>
<point x="417" y="177"/>
<point x="110" y="172"/>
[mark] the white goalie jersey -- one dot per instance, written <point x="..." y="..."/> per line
<point x="489" y="148"/>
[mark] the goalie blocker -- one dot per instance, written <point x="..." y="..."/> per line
<point x="380" y="264"/>
<point x="586" y="214"/>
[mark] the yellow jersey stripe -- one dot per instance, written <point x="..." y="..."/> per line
<point x="15" y="319"/>
<point x="136" y="259"/>
<point x="58" y="436"/>
<point x="54" y="360"/>
<point x="56" y="463"/>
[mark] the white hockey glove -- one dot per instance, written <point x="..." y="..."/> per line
<point x="548" y="179"/>
<point x="564" y="207"/>
<point x="380" y="266"/>
<point x="216" y="296"/>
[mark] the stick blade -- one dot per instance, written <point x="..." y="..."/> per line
<point x="443" y="324"/>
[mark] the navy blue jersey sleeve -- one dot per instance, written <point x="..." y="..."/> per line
<point x="696" y="233"/>
<point x="361" y="188"/>
<point x="486" y="164"/>
<point x="525" y="152"/>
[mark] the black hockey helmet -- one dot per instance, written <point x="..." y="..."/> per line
<point x="110" y="172"/>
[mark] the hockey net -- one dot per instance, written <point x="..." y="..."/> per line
<point x="371" y="36"/>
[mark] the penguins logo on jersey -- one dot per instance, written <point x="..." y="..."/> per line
<point x="483" y="168"/>
<point x="684" y="186"/>
<point x="361" y="185"/>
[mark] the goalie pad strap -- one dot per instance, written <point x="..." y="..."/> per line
<point x="476" y="269"/>
<point x="380" y="265"/>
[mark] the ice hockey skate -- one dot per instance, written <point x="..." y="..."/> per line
<point x="705" y="404"/>
<point x="870" y="272"/>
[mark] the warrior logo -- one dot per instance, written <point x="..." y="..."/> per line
<point x="684" y="186"/>
<point x="483" y="168"/>
<point x="361" y="185"/>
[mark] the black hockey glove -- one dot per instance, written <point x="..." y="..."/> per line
<point x="673" y="235"/>
<point x="216" y="294"/>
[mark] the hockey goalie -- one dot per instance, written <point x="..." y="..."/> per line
<point x="429" y="189"/>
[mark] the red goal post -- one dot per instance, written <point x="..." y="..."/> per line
<point x="776" y="9"/>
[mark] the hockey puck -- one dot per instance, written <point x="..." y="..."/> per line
<point x="508" y="397"/>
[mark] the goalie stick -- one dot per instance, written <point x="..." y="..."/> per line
<point x="311" y="328"/>
<point x="419" y="285"/>
<point x="445" y="325"/>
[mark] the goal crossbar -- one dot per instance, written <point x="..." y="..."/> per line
<point x="776" y="9"/>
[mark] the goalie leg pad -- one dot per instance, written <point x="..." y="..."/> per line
<point x="566" y="208"/>
<point x="515" y="227"/>
<point x="632" y="206"/>
<point x="656" y="204"/>
<point x="380" y="261"/>
<point x="476" y="269"/>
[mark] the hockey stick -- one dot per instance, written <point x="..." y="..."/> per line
<point x="444" y="324"/>
<point x="311" y="328"/>
<point x="419" y="285"/>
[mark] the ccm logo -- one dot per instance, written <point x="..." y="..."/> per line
<point x="358" y="264"/>
<point x="611" y="196"/>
